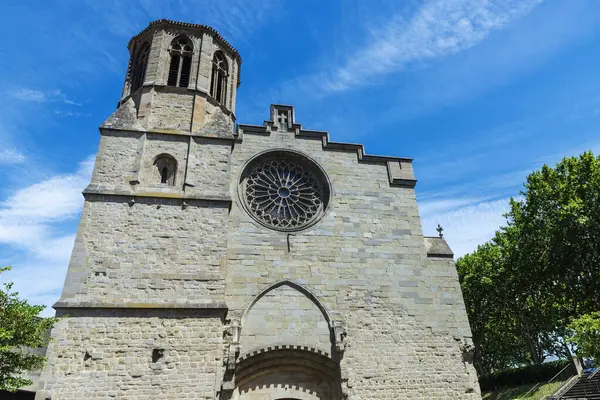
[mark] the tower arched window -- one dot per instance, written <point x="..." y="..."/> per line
<point x="220" y="72"/>
<point x="166" y="169"/>
<point x="181" y="62"/>
<point x="139" y="64"/>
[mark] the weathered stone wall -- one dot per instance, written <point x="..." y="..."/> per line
<point x="150" y="252"/>
<point x="171" y="109"/>
<point x="105" y="354"/>
<point x="156" y="144"/>
<point x="125" y="164"/>
<point x="116" y="158"/>
<point x="451" y="313"/>
<point x="391" y="354"/>
<point x="366" y="262"/>
<point x="208" y="167"/>
<point x="369" y="241"/>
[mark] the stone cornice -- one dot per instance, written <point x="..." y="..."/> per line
<point x="202" y="28"/>
<point x="104" y="129"/>
<point x="183" y="305"/>
<point x="97" y="190"/>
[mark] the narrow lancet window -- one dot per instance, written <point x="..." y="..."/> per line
<point x="166" y="168"/>
<point x="138" y="67"/>
<point x="220" y="72"/>
<point x="164" y="175"/>
<point x="181" y="62"/>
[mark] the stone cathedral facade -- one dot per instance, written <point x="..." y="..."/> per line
<point x="250" y="262"/>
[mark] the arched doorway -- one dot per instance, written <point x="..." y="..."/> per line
<point x="287" y="373"/>
<point x="288" y="349"/>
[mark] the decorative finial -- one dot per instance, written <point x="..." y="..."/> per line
<point x="440" y="230"/>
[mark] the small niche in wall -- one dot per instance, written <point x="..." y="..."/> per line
<point x="166" y="169"/>
<point x="157" y="354"/>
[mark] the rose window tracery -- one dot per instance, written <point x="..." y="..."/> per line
<point x="285" y="192"/>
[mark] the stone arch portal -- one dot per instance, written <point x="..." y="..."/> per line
<point x="287" y="348"/>
<point x="286" y="314"/>
<point x="287" y="373"/>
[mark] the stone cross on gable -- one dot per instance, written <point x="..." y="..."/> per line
<point x="282" y="119"/>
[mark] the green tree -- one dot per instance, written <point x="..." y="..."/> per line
<point x="498" y="306"/>
<point x="587" y="335"/>
<point x="21" y="330"/>
<point x="540" y="271"/>
<point x="559" y="219"/>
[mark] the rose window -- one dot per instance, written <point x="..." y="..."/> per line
<point x="285" y="191"/>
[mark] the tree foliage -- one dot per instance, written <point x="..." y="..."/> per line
<point x="21" y="331"/>
<point x="540" y="271"/>
<point x="587" y="335"/>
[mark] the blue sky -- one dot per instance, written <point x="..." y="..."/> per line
<point x="478" y="92"/>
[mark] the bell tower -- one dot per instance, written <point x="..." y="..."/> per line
<point x="181" y="78"/>
<point x="151" y="247"/>
<point x="161" y="176"/>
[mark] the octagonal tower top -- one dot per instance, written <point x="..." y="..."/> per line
<point x="186" y="69"/>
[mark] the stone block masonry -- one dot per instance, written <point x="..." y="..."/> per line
<point x="136" y="354"/>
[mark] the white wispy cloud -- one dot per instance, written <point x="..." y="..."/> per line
<point x="42" y="96"/>
<point x="11" y="156"/>
<point x="69" y="113"/>
<point x="439" y="206"/>
<point x="467" y="223"/>
<point x="503" y="58"/>
<point x="36" y="96"/>
<point x="31" y="236"/>
<point x="73" y="103"/>
<point x="439" y="28"/>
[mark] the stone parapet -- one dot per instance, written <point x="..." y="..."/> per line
<point x="399" y="169"/>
